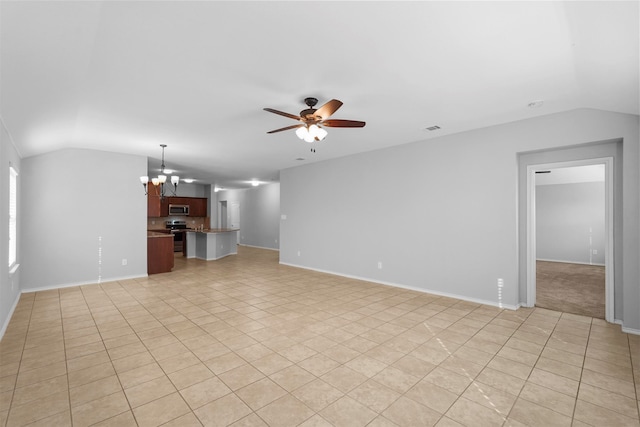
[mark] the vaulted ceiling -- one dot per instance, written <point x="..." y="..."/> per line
<point x="126" y="76"/>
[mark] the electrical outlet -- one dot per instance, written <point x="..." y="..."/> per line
<point x="298" y="253"/>
<point x="380" y="265"/>
<point x="124" y="261"/>
<point x="595" y="252"/>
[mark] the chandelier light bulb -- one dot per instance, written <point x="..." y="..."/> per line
<point x="301" y="132"/>
<point x="175" y="179"/>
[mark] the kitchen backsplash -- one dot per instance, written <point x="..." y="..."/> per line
<point x="192" y="222"/>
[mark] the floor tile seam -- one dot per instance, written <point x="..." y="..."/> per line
<point x="636" y="383"/>
<point x="15" y="383"/>
<point x="122" y="389"/>
<point x="518" y="396"/>
<point x="473" y="380"/>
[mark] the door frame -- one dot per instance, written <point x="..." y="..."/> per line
<point x="608" y="218"/>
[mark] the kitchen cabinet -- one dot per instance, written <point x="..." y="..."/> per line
<point x="156" y="206"/>
<point x="159" y="207"/>
<point x="197" y="206"/>
<point x="159" y="252"/>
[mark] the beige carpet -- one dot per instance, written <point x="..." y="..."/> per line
<point x="571" y="288"/>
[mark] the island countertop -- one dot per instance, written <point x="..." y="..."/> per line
<point x="151" y="233"/>
<point x="213" y="230"/>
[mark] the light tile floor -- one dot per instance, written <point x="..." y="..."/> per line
<point x="245" y="341"/>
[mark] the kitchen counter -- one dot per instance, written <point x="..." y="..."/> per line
<point x="152" y="233"/>
<point x="215" y="230"/>
<point x="159" y="252"/>
<point x="212" y="243"/>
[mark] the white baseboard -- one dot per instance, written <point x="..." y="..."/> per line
<point x="5" y="325"/>
<point x="570" y="262"/>
<point x="84" y="283"/>
<point x="412" y="288"/>
<point x="259" y="247"/>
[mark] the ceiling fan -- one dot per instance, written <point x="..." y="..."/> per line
<point x="312" y="120"/>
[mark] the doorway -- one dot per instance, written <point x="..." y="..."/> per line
<point x="533" y="171"/>
<point x="234" y="218"/>
<point x="570" y="236"/>
<point x="223" y="215"/>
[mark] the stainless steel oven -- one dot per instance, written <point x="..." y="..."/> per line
<point x="178" y="229"/>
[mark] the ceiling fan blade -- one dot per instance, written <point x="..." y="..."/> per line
<point x="338" y="123"/>
<point x="287" y="128"/>
<point x="328" y="109"/>
<point x="282" y="113"/>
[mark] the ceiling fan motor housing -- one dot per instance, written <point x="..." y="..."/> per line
<point x="309" y="112"/>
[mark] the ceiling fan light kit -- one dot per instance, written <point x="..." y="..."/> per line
<point x="312" y="120"/>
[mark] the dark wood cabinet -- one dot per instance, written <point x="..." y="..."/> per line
<point x="198" y="206"/>
<point x="156" y="206"/>
<point x="159" y="253"/>
<point x="159" y="207"/>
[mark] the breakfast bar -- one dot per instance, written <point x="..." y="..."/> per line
<point x="211" y="244"/>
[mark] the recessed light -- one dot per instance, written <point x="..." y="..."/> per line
<point x="300" y="159"/>
<point x="432" y="128"/>
<point x="535" y="104"/>
<point x="188" y="180"/>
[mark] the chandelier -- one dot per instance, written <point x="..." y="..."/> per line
<point x="161" y="180"/>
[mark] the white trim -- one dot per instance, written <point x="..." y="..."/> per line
<point x="9" y="316"/>
<point x="531" y="229"/>
<point x="597" y="264"/>
<point x="84" y="283"/>
<point x="13" y="269"/>
<point x="411" y="288"/>
<point x="258" y="247"/>
<point x="631" y="331"/>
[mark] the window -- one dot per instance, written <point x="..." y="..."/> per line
<point x="13" y="215"/>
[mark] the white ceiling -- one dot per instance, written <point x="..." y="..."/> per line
<point x="126" y="76"/>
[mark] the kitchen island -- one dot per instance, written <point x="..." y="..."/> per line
<point x="159" y="252"/>
<point x="212" y="244"/>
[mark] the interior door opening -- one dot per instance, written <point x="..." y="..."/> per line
<point x="570" y="236"/>
<point x="588" y="258"/>
<point x="223" y="215"/>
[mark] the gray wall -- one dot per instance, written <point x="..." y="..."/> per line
<point x="83" y="212"/>
<point x="9" y="283"/>
<point x="570" y="222"/>
<point x="442" y="215"/>
<point x="192" y="190"/>
<point x="259" y="214"/>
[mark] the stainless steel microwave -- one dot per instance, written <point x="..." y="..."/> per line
<point x="179" y="210"/>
